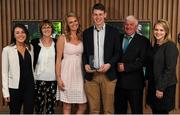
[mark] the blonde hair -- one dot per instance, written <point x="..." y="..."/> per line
<point x="66" y="29"/>
<point x="166" y="27"/>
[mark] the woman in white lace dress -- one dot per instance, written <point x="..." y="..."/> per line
<point x="69" y="66"/>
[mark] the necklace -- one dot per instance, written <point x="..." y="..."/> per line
<point x="21" y="49"/>
<point x="46" y="42"/>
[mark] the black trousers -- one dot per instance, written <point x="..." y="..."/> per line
<point x="19" y="97"/>
<point x="155" y="111"/>
<point x="134" y="97"/>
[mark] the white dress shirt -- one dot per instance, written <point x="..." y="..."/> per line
<point x="99" y="37"/>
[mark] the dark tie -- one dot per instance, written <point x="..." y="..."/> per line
<point x="98" y="46"/>
<point x="126" y="42"/>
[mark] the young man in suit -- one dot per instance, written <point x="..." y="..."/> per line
<point x="130" y="81"/>
<point x="102" y="48"/>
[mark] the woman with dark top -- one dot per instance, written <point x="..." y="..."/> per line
<point x="161" y="70"/>
<point x="44" y="65"/>
<point x="17" y="72"/>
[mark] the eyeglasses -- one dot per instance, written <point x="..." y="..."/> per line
<point x="46" y="27"/>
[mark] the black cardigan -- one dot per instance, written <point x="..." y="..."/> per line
<point x="162" y="65"/>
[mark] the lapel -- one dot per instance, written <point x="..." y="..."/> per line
<point x="121" y="41"/>
<point x="14" y="52"/>
<point x="38" y="46"/>
<point x="106" y="35"/>
<point x="91" y="39"/>
<point x="13" y="56"/>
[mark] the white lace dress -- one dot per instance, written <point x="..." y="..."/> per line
<point x="71" y="74"/>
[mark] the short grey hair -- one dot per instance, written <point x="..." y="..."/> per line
<point x="132" y="18"/>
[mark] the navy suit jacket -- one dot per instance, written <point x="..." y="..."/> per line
<point x="111" y="49"/>
<point x="134" y="60"/>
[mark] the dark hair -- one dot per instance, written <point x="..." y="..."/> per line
<point x="23" y="27"/>
<point x="99" y="6"/>
<point x="45" y="22"/>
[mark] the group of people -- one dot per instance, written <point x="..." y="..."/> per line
<point x="100" y="67"/>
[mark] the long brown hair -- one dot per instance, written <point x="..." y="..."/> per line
<point x="66" y="29"/>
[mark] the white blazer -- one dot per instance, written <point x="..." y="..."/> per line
<point x="11" y="68"/>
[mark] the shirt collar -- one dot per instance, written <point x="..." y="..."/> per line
<point x="102" y="28"/>
<point x="41" y="44"/>
<point x="129" y="36"/>
<point x="15" y="47"/>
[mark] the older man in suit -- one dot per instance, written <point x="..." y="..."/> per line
<point x="102" y="48"/>
<point x="130" y="82"/>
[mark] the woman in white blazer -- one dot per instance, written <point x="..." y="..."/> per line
<point x="17" y="72"/>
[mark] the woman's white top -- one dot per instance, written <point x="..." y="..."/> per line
<point x="45" y="67"/>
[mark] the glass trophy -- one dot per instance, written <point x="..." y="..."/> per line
<point x="91" y="62"/>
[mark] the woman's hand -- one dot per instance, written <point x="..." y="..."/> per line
<point x="159" y="94"/>
<point x="61" y="84"/>
<point x="7" y="99"/>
